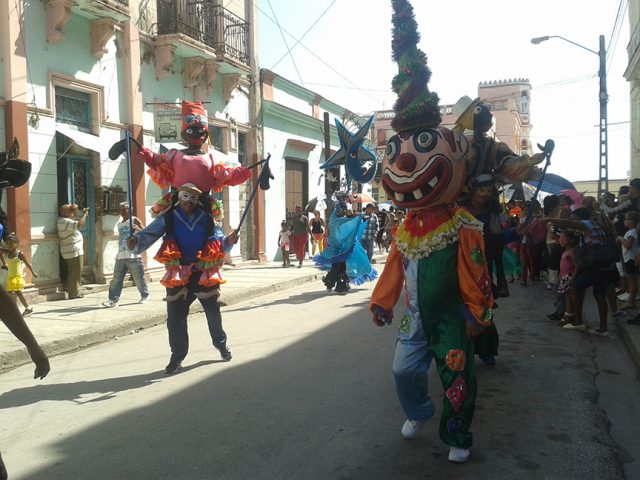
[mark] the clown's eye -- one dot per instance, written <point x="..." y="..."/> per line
<point x="189" y="131"/>
<point x="425" y="141"/>
<point x="393" y="149"/>
<point x="477" y="110"/>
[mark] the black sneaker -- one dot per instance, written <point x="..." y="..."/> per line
<point x="173" y="367"/>
<point x="554" y="317"/>
<point x="225" y="353"/>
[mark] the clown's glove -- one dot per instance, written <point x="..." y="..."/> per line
<point x="548" y="147"/>
<point x="120" y="147"/>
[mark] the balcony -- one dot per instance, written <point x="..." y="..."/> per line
<point x="117" y="10"/>
<point x="212" y="25"/>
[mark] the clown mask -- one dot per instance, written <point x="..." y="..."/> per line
<point x="425" y="168"/>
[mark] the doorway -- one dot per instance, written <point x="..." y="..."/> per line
<point x="75" y="185"/>
<point x="296" y="185"/>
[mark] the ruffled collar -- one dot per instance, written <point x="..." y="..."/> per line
<point x="426" y="231"/>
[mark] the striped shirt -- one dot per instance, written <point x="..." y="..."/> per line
<point x="70" y="238"/>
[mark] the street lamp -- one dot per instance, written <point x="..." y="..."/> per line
<point x="603" y="98"/>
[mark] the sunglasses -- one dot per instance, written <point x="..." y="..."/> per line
<point x="188" y="197"/>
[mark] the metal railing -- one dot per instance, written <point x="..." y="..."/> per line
<point x="205" y="22"/>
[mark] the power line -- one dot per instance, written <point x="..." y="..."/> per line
<point x="285" y="42"/>
<point x="304" y="34"/>
<point x="615" y="33"/>
<point x="315" y="55"/>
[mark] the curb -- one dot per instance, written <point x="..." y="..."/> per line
<point x="20" y="356"/>
<point x="628" y="343"/>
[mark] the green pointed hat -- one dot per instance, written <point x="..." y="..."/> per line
<point x="416" y="107"/>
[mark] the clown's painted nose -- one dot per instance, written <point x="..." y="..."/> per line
<point x="406" y="162"/>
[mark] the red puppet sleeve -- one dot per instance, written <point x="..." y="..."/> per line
<point x="160" y="166"/>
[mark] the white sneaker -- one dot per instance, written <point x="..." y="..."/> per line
<point x="600" y="334"/>
<point x="144" y="300"/>
<point x="110" y="304"/>
<point x="571" y="326"/>
<point x="459" y="455"/>
<point x="411" y="428"/>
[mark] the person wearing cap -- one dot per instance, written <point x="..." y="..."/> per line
<point x="299" y="234"/>
<point x="192" y="251"/>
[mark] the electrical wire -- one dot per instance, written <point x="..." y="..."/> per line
<point x="304" y="34"/>
<point x="315" y="55"/>
<point x="285" y="42"/>
<point x="615" y="33"/>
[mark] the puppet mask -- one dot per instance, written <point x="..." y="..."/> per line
<point x="195" y="123"/>
<point x="425" y="168"/>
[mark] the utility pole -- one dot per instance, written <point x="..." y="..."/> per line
<point x="327" y="153"/>
<point x="603" y="98"/>
<point x="603" y="173"/>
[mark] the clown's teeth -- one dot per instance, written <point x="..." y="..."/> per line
<point x="417" y="194"/>
<point x="433" y="182"/>
<point x="400" y="196"/>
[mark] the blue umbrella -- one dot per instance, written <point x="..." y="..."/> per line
<point x="554" y="184"/>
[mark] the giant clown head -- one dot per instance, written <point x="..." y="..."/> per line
<point x="425" y="168"/>
<point x="195" y="123"/>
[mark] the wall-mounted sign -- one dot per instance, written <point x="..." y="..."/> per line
<point x="168" y="123"/>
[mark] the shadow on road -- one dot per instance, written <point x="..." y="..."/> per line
<point x="325" y="408"/>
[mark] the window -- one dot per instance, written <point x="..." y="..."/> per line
<point x="216" y="137"/>
<point x="524" y="103"/>
<point x="73" y="107"/>
<point x="242" y="148"/>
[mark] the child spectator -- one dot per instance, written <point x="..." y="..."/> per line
<point x="13" y="263"/>
<point x="284" y="240"/>
<point x="568" y="268"/>
<point x="630" y="248"/>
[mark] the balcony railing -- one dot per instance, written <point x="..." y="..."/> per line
<point x="207" y="23"/>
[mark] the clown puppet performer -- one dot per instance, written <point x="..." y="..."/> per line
<point x="438" y="254"/>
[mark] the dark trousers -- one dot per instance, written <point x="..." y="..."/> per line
<point x="74" y="273"/>
<point x="178" y="311"/>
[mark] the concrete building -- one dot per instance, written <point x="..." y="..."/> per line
<point x="632" y="74"/>
<point x="75" y="75"/>
<point x="293" y="132"/>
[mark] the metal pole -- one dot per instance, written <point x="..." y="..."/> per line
<point x="127" y="136"/>
<point x="603" y="175"/>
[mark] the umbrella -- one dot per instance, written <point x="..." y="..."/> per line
<point x="576" y="197"/>
<point x="553" y="183"/>
<point x="362" y="198"/>
<point x="320" y="203"/>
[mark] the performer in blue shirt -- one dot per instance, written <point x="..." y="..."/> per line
<point x="193" y="252"/>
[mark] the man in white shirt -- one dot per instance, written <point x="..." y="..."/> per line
<point x="71" y="247"/>
<point x="127" y="261"/>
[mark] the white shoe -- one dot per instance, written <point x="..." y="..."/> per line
<point x="600" y="334"/>
<point x="571" y="326"/>
<point x="144" y="300"/>
<point x="110" y="304"/>
<point x="459" y="455"/>
<point x="411" y="428"/>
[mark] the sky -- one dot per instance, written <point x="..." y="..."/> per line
<point x="341" y="49"/>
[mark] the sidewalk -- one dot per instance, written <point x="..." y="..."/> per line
<point x="630" y="335"/>
<point x="67" y="325"/>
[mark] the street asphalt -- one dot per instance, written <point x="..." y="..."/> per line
<point x="66" y="325"/>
